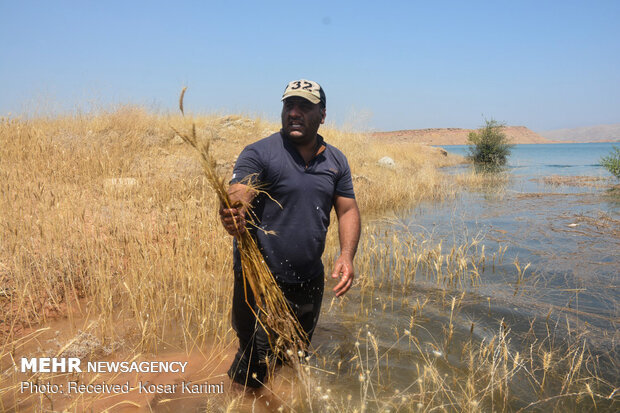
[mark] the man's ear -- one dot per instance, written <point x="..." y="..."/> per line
<point x="323" y="114"/>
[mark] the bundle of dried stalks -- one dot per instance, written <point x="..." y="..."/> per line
<point x="274" y="313"/>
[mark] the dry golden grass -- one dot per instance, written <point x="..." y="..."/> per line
<point x="108" y="220"/>
<point x="415" y="177"/>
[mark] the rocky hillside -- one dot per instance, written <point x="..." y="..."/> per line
<point x="456" y="136"/>
<point x="597" y="133"/>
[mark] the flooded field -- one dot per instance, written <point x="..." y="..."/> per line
<point x="493" y="293"/>
<point x="529" y="264"/>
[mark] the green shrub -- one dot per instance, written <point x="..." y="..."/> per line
<point x="489" y="147"/>
<point x="611" y="162"/>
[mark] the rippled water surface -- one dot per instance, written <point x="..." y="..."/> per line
<point x="552" y="254"/>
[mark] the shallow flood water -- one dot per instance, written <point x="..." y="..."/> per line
<point x="541" y="267"/>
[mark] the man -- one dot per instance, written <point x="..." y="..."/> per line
<point x="306" y="176"/>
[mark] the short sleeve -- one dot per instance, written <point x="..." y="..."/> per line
<point x="344" y="185"/>
<point x="249" y="166"/>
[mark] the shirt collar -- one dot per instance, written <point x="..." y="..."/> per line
<point x="321" y="146"/>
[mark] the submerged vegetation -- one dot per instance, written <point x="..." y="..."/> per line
<point x="489" y="147"/>
<point x="112" y="249"/>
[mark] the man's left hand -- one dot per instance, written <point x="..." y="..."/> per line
<point x="343" y="269"/>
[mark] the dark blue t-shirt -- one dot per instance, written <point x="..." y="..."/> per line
<point x="305" y="194"/>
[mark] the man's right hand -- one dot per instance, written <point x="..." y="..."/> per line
<point x="233" y="220"/>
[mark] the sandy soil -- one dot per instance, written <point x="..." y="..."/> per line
<point x="206" y="365"/>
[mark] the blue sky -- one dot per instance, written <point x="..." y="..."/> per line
<point x="400" y="65"/>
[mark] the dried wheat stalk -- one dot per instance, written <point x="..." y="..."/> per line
<point x="274" y="312"/>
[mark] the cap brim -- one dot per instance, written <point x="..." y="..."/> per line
<point x="302" y="94"/>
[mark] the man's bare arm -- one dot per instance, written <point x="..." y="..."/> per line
<point x="233" y="219"/>
<point x="349" y="227"/>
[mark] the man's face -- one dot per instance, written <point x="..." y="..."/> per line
<point x="301" y="119"/>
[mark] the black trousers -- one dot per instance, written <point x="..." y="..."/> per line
<point x="250" y="364"/>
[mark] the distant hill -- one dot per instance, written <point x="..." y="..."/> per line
<point x="597" y="133"/>
<point x="456" y="136"/>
